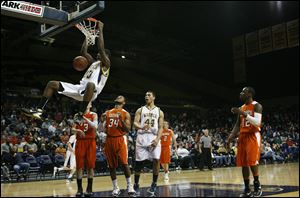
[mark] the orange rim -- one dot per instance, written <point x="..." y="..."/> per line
<point x="92" y="19"/>
<point x="89" y="19"/>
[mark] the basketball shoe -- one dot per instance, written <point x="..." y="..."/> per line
<point x="130" y="190"/>
<point x="152" y="189"/>
<point x="166" y="176"/>
<point x="33" y="113"/>
<point x="116" y="192"/>
<point x="136" y="188"/>
<point x="246" y="193"/>
<point x="257" y="189"/>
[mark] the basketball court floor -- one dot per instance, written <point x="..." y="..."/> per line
<point x="278" y="180"/>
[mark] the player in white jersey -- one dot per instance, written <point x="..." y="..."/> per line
<point x="70" y="155"/>
<point x="149" y="124"/>
<point x="90" y="85"/>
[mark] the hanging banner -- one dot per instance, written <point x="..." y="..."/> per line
<point x="252" y="44"/>
<point x="279" y="36"/>
<point x="238" y="47"/>
<point x="265" y="40"/>
<point x="293" y="33"/>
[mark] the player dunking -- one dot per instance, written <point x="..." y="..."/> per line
<point x="166" y="142"/>
<point x="249" y="140"/>
<point x="117" y="124"/>
<point x="86" y="149"/>
<point x="90" y="85"/>
<point x="149" y="123"/>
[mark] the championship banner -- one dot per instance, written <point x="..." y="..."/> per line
<point x="238" y="47"/>
<point x="279" y="36"/>
<point x="240" y="71"/>
<point x="265" y="40"/>
<point x="252" y="44"/>
<point x="293" y="33"/>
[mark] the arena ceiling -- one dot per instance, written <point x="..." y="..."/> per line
<point x="180" y="49"/>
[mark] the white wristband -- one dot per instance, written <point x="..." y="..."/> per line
<point x="93" y="124"/>
<point x="256" y="120"/>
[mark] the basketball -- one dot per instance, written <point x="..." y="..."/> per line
<point x="80" y="63"/>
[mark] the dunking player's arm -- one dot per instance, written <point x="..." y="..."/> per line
<point x="85" y="53"/>
<point x="102" y="56"/>
<point x="160" y="129"/>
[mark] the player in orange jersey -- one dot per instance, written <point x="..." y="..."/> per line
<point x="165" y="155"/>
<point x="249" y="139"/>
<point x="117" y="124"/>
<point x="85" y="150"/>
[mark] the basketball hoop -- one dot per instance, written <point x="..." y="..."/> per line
<point x="89" y="28"/>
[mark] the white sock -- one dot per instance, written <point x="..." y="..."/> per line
<point x="115" y="184"/>
<point x="128" y="181"/>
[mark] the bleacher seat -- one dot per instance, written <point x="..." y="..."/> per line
<point x="46" y="164"/>
<point x="34" y="165"/>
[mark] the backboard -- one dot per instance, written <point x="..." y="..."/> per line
<point x="53" y="16"/>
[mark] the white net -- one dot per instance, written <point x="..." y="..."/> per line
<point x="89" y="28"/>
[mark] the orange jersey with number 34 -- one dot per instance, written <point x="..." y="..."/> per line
<point x="113" y="123"/>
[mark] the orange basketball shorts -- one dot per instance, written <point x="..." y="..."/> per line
<point x="116" y="147"/>
<point x="248" y="149"/>
<point x="165" y="155"/>
<point x="85" y="151"/>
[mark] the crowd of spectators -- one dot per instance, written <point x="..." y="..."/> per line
<point x="21" y="137"/>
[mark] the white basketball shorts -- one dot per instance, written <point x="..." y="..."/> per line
<point x="144" y="150"/>
<point x="75" y="91"/>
